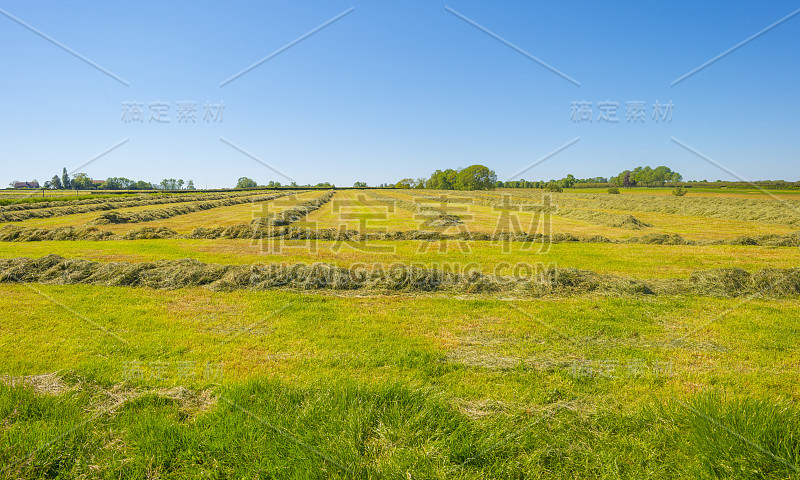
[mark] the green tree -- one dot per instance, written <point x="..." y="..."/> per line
<point x="553" y="187"/>
<point x="190" y="185"/>
<point x="442" y="180"/>
<point x="81" y="182"/>
<point x="56" y="182"/>
<point x="405" y="183"/>
<point x="567" y="182"/>
<point x="65" y="179"/>
<point x="245" y="182"/>
<point x="476" y="177"/>
<point x="360" y="185"/>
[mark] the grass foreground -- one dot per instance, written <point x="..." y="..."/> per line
<point x="272" y="384"/>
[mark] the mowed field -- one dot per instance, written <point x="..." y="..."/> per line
<point x="383" y="333"/>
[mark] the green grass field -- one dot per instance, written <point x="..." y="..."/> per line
<point x="181" y="380"/>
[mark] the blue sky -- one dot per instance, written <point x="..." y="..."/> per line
<point x="397" y="89"/>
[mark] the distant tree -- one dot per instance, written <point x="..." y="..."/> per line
<point x="294" y="184"/>
<point x="48" y="184"/>
<point x="442" y="180"/>
<point x="180" y="184"/>
<point x="65" y="179"/>
<point x="12" y="183"/>
<point x="56" y="182"/>
<point x="81" y="182"/>
<point x="360" y="185"/>
<point x="245" y="182"/>
<point x="190" y="185"/>
<point x="553" y="187"/>
<point x="405" y="183"/>
<point x="476" y="177"/>
<point x="646" y="176"/>
<point x="628" y="180"/>
<point x="567" y="182"/>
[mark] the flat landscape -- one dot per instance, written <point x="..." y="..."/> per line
<point x="401" y="333"/>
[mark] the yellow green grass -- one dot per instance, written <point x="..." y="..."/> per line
<point x="119" y="382"/>
<point x="393" y="386"/>
<point x="634" y="260"/>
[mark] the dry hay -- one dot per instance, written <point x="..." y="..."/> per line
<point x="150" y="233"/>
<point x="254" y="230"/>
<point x="172" y="274"/>
<point x="272" y="225"/>
<point x="43" y="384"/>
<point x="293" y="213"/>
<point x="115" y="217"/>
<point x="563" y="209"/>
<point x="786" y="240"/>
<point x="631" y="222"/>
<point x="14" y="233"/>
<point x="782" y="212"/>
<point x="661" y="239"/>
<point x="732" y="282"/>
<point x="112" y="400"/>
<point x="111" y="204"/>
<point x="63" y="202"/>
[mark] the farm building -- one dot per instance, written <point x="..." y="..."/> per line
<point x="33" y="184"/>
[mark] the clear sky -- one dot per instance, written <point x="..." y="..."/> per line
<point x="397" y="89"/>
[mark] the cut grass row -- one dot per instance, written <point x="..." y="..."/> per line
<point x="275" y="226"/>
<point x="534" y="280"/>
<point x="581" y="215"/>
<point x="636" y="260"/>
<point x="356" y="210"/>
<point x="27" y="203"/>
<point x="149" y="215"/>
<point x="768" y="210"/>
<point x="114" y="203"/>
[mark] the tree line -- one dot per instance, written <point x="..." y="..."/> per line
<point x="474" y="177"/>
<point x="82" y="181"/>
<point x="246" y="182"/>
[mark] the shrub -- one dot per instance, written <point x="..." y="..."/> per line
<point x="553" y="187"/>
<point x="614" y="190"/>
<point x="679" y="191"/>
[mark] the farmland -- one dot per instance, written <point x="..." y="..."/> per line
<point x="401" y="333"/>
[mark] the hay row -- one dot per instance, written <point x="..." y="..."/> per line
<point x="294" y="213"/>
<point x="78" y="201"/>
<point x="65" y="201"/>
<point x="112" y="205"/>
<point x="115" y="217"/>
<point x="268" y="226"/>
<point x="595" y="217"/>
<point x="14" y="233"/>
<point x="781" y="212"/>
<point x="172" y="274"/>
